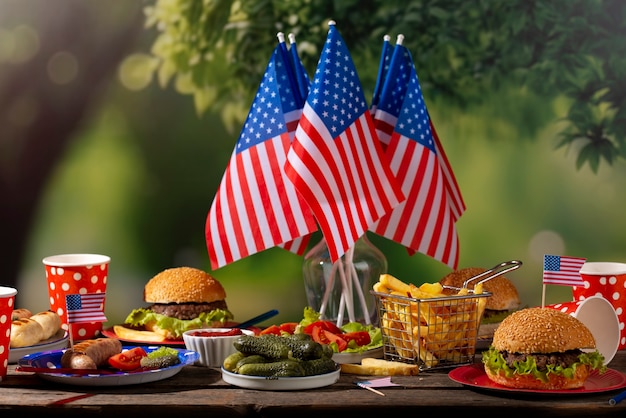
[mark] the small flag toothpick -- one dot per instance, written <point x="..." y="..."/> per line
<point x="561" y="270"/>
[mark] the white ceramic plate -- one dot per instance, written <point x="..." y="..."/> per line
<point x="343" y="358"/>
<point x="52" y="359"/>
<point x="57" y="341"/>
<point x="280" y="383"/>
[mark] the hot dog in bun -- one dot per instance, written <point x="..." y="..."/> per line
<point x="181" y="298"/>
<point x="542" y="348"/>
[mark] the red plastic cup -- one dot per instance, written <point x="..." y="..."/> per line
<point x="7" y="302"/>
<point x="599" y="316"/>
<point x="71" y="274"/>
<point x="606" y="279"/>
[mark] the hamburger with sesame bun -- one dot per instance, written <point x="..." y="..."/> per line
<point x="181" y="298"/>
<point x="503" y="301"/>
<point x="542" y="349"/>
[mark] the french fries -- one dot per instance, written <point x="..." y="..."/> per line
<point x="137" y="335"/>
<point x="421" y="322"/>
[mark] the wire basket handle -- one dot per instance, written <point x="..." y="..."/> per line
<point x="495" y="271"/>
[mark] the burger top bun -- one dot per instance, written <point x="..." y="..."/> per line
<point x="183" y="285"/>
<point x="541" y="330"/>
<point x="504" y="296"/>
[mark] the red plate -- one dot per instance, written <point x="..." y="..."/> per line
<point x="475" y="376"/>
<point x="108" y="332"/>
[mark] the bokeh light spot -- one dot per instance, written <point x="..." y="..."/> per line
<point x="62" y="67"/>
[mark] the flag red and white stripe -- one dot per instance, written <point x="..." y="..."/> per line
<point x="562" y="270"/>
<point x="85" y="308"/>
<point x="336" y="161"/>
<point x="425" y="221"/>
<point x="256" y="207"/>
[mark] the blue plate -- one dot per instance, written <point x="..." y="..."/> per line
<point x="52" y="360"/>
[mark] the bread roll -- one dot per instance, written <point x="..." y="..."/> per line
<point x="49" y="321"/>
<point x="25" y="332"/>
<point x="21" y="313"/>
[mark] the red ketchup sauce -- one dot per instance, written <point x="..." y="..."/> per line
<point x="229" y="333"/>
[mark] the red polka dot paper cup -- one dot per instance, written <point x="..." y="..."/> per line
<point x="606" y="279"/>
<point x="7" y="302"/>
<point x="599" y="316"/>
<point x="76" y="274"/>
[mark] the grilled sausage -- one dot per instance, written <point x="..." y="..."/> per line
<point x="49" y="321"/>
<point x="91" y="354"/>
<point x="25" y="332"/>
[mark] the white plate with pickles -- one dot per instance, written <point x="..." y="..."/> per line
<point x="280" y="383"/>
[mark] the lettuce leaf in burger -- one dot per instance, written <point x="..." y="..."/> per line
<point x="182" y="298"/>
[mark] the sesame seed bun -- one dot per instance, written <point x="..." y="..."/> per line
<point x="183" y="285"/>
<point x="504" y="296"/>
<point x="542" y="330"/>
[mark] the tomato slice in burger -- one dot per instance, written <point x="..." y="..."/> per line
<point x="128" y="359"/>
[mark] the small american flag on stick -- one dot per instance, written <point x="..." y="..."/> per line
<point x="562" y="270"/>
<point x="85" y="308"/>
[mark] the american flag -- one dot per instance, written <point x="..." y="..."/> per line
<point x="336" y="161"/>
<point x="256" y="207"/>
<point x="562" y="270"/>
<point x="425" y="221"/>
<point x="383" y="67"/>
<point x="298" y="245"/>
<point x="85" y="308"/>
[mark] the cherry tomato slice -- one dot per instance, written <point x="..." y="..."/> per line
<point x="359" y="337"/>
<point x="128" y="359"/>
<point x="334" y="338"/>
<point x="324" y="324"/>
<point x="272" y="329"/>
<point x="288" y="327"/>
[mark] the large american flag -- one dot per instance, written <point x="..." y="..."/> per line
<point x="425" y="221"/>
<point x="256" y="207"/>
<point x="336" y="161"/>
<point x="88" y="307"/>
<point x="562" y="270"/>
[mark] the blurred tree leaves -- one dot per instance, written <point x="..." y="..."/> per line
<point x="216" y="51"/>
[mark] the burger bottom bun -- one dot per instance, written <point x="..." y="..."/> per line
<point x="555" y="382"/>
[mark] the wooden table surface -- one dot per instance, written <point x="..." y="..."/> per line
<point x="199" y="391"/>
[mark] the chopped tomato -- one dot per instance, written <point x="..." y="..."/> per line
<point x="128" y="359"/>
<point x="335" y="338"/>
<point x="359" y="337"/>
<point x="317" y="333"/>
<point x="272" y="329"/>
<point x="324" y="324"/>
<point x="288" y="327"/>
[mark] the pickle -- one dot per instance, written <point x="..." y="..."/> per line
<point x="251" y="359"/>
<point x="230" y="362"/>
<point x="282" y="368"/>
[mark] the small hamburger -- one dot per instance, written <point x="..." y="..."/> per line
<point x="542" y="349"/>
<point x="503" y="301"/>
<point x="182" y="298"/>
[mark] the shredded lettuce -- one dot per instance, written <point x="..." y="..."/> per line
<point x="142" y="316"/>
<point x="494" y="360"/>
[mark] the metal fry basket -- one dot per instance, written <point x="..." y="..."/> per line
<point x="434" y="332"/>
